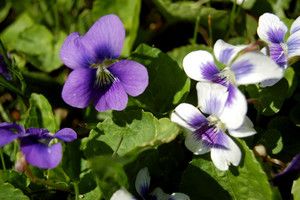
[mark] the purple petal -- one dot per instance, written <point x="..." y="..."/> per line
<point x="276" y="35"/>
<point x="73" y="53"/>
<point x="105" y="38"/>
<point x="3" y="69"/>
<point x="132" y="75"/>
<point x="66" y="134"/>
<point x="78" y="89"/>
<point x="41" y="155"/>
<point x="241" y="68"/>
<point x="293" y="45"/>
<point x="278" y="55"/>
<point x="9" y="132"/>
<point x="112" y="98"/>
<point x="38" y="133"/>
<point x="7" y="136"/>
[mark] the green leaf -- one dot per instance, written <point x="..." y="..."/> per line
<point x="128" y="11"/>
<point x="4" y="10"/>
<point x="270" y="99"/>
<point x="110" y="174"/>
<point x="279" y="6"/>
<point x="202" y="180"/>
<point x="40" y="114"/>
<point x="92" y="195"/>
<point x="70" y="163"/>
<point x="296" y="189"/>
<point x="35" y="41"/>
<point x="130" y="131"/>
<point x="8" y="192"/>
<point x="168" y="84"/>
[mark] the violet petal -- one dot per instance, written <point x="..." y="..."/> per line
<point x="112" y="98"/>
<point x="66" y="134"/>
<point x="41" y="155"/>
<point x="105" y="38"/>
<point x="132" y="75"/>
<point x="78" y="89"/>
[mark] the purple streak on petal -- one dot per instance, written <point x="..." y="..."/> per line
<point x="231" y="94"/>
<point x="294" y="46"/>
<point x="41" y="155"/>
<point x="225" y="55"/>
<point x="214" y="105"/>
<point x="78" y="90"/>
<point x="277" y="54"/>
<point x="276" y="35"/>
<point x="66" y="134"/>
<point x="74" y="54"/>
<point x="112" y="98"/>
<point x="210" y="136"/>
<point x="241" y="68"/>
<point x="105" y="38"/>
<point x="210" y="71"/>
<point x="132" y="75"/>
<point x="38" y="133"/>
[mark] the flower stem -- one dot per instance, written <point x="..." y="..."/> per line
<point x="194" y="41"/>
<point x="2" y="160"/>
<point x="37" y="180"/>
<point x="76" y="190"/>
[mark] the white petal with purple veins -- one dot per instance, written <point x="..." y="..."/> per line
<point x="293" y="45"/>
<point x="243" y="131"/>
<point x="200" y="66"/>
<point x="122" y="194"/>
<point x="223" y="157"/>
<point x="235" y="108"/>
<point x="195" y="145"/>
<point x="142" y="182"/>
<point x="211" y="97"/>
<point x="271" y="29"/>
<point x="188" y="116"/>
<point x="225" y="52"/>
<point x="254" y="67"/>
<point x="269" y="82"/>
<point x="295" y="26"/>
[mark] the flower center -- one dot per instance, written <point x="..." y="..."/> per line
<point x="284" y="48"/>
<point x="228" y="74"/>
<point x="103" y="76"/>
<point x="215" y="121"/>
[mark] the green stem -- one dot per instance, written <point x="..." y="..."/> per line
<point x="4" y="114"/>
<point x="2" y="160"/>
<point x="76" y="190"/>
<point x="231" y="19"/>
<point x="116" y="150"/>
<point x="194" y="41"/>
<point x="48" y="183"/>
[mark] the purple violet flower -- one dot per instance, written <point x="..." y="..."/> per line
<point x="142" y="186"/>
<point x="273" y="31"/>
<point x="206" y="134"/>
<point x="3" y="69"/>
<point x="37" y="143"/>
<point x="98" y="75"/>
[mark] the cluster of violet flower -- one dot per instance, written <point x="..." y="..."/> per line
<point x="218" y="95"/>
<point x="38" y="145"/>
